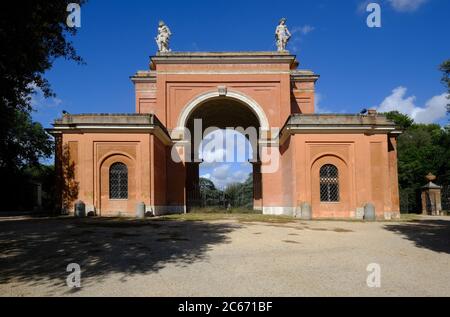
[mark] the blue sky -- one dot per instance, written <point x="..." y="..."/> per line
<point x="392" y="66"/>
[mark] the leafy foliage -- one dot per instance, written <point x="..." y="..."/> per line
<point x="241" y="194"/>
<point x="32" y="35"/>
<point x="236" y="194"/>
<point x="25" y="144"/>
<point x="403" y="121"/>
<point x="210" y="195"/>
<point x="422" y="148"/>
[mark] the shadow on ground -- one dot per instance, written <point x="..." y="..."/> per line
<point x="429" y="234"/>
<point x="34" y="250"/>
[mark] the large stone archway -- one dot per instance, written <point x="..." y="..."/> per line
<point x="248" y="89"/>
<point x="224" y="113"/>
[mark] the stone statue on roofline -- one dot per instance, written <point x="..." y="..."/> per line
<point x="282" y="35"/>
<point x="163" y="38"/>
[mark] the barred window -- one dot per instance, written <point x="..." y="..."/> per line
<point x="329" y="183"/>
<point x="118" y="181"/>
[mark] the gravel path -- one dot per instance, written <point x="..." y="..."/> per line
<point x="223" y="258"/>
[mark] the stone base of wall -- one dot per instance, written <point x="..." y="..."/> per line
<point x="166" y="210"/>
<point x="278" y="211"/>
<point x="358" y="214"/>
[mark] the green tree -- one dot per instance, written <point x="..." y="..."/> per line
<point x="233" y="193"/>
<point x="247" y="190"/>
<point x="402" y="120"/>
<point x="422" y="148"/>
<point x="25" y="144"/>
<point x="45" y="176"/>
<point x="32" y="35"/>
<point x="210" y="195"/>
<point x="241" y="194"/>
<point x="206" y="185"/>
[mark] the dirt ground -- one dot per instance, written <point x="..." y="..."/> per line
<point x="120" y="257"/>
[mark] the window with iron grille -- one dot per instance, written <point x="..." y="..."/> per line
<point x="329" y="183"/>
<point x="118" y="181"/>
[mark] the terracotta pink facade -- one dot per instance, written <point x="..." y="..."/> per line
<point x="262" y="89"/>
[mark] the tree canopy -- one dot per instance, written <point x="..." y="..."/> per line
<point x="422" y="148"/>
<point x="32" y="35"/>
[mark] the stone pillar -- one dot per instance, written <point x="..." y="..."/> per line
<point x="80" y="209"/>
<point x="431" y="197"/>
<point x="140" y="210"/>
<point x="306" y="213"/>
<point x="393" y="175"/>
<point x="257" y="186"/>
<point x="193" y="184"/>
<point x="369" y="212"/>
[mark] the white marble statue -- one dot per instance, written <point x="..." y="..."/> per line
<point x="163" y="38"/>
<point x="282" y="35"/>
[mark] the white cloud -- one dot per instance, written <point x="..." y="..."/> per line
<point x="207" y="176"/>
<point x="212" y="155"/>
<point x="45" y="110"/>
<point x="297" y="32"/>
<point x="406" y="5"/>
<point x="39" y="102"/>
<point x="318" y="98"/>
<point x="433" y="111"/>
<point x="225" y="154"/>
<point x="221" y="172"/>
<point x="362" y="7"/>
<point x="225" y="146"/>
<point x="223" y="175"/>
<point x="305" y="29"/>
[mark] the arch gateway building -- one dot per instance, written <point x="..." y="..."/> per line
<point x="334" y="163"/>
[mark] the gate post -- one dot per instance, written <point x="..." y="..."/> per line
<point x="431" y="197"/>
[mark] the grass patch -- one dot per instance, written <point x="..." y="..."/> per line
<point x="217" y="210"/>
<point x="242" y="218"/>
<point x="409" y="217"/>
<point x="116" y="222"/>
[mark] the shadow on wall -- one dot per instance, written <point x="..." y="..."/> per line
<point x="429" y="234"/>
<point x="69" y="185"/>
<point x="34" y="250"/>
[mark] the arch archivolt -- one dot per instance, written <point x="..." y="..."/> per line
<point x="324" y="156"/>
<point x="107" y="205"/>
<point x="178" y="133"/>
<point x="120" y="155"/>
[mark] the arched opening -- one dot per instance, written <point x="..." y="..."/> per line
<point x="223" y="169"/>
<point x="331" y="185"/>
<point x="117" y="185"/>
